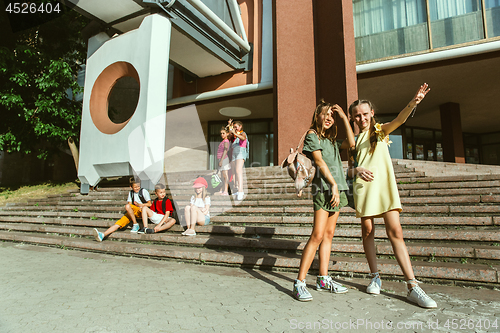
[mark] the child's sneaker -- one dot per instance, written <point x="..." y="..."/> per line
<point x="375" y="285"/>
<point x="326" y="283"/>
<point x="417" y="295"/>
<point x="149" y="231"/>
<point x="135" y="228"/>
<point x="99" y="236"/>
<point x="300" y="292"/>
<point x="240" y="196"/>
<point x="141" y="231"/>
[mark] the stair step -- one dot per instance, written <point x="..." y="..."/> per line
<point x="431" y="270"/>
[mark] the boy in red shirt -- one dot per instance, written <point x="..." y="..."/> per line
<point x="159" y="212"/>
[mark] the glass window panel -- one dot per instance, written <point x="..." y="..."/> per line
<point x="455" y="21"/>
<point x="408" y="134"/>
<point x="439" y="136"/>
<point x="490" y="138"/>
<point x="421" y="134"/>
<point x="470" y="139"/>
<point x="493" y="17"/>
<point x="491" y="154"/>
<point x="385" y="28"/>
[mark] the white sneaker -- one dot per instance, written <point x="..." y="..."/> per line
<point x="375" y="285"/>
<point x="300" y="291"/>
<point x="417" y="295"/>
<point x="326" y="283"/>
<point x="240" y="196"/>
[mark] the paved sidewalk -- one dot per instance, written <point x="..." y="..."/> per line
<point x="54" y="290"/>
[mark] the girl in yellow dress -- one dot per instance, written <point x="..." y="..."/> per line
<point x="376" y="192"/>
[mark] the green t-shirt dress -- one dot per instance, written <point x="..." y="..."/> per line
<point x="320" y="187"/>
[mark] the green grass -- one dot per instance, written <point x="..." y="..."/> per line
<point x="21" y="193"/>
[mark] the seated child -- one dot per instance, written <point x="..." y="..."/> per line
<point x="138" y="198"/>
<point x="198" y="211"/>
<point x="159" y="212"/>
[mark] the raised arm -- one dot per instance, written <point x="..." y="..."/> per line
<point x="405" y="113"/>
<point x="350" y="142"/>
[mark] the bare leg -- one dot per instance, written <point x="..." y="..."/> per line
<point x="111" y="229"/>
<point x="146" y="213"/>
<point x="187" y="216"/>
<point x="368" y="235"/>
<point x="317" y="235"/>
<point x="167" y="225"/>
<point x="325" y="248"/>
<point x="194" y="216"/>
<point x="200" y="219"/>
<point x="226" y="180"/>
<point x="239" y="174"/>
<point x="395" y="234"/>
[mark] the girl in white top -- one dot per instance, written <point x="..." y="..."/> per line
<point x="198" y="211"/>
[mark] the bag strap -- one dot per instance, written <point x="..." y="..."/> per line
<point x="303" y="138"/>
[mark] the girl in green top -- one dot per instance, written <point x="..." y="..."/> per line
<point x="328" y="195"/>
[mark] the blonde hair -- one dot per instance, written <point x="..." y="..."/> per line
<point x="203" y="193"/>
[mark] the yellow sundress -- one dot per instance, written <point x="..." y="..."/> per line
<point x="380" y="195"/>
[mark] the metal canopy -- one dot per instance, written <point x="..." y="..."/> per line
<point x="207" y="38"/>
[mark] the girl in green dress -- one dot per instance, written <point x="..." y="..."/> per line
<point x="376" y="192"/>
<point x="328" y="196"/>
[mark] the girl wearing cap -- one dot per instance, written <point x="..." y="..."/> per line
<point x="198" y="211"/>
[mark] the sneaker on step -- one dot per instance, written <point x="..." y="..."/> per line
<point x="374" y="286"/>
<point x="149" y="231"/>
<point x="140" y="231"/>
<point x="99" y="236"/>
<point x="300" y="291"/>
<point x="240" y="196"/>
<point x="190" y="232"/>
<point x="326" y="283"/>
<point x="135" y="228"/>
<point x="417" y="295"/>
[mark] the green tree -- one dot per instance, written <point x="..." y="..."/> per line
<point x="38" y="70"/>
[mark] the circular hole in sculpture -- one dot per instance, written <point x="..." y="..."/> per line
<point x="123" y="99"/>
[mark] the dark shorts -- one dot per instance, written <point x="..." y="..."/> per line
<point x="321" y="200"/>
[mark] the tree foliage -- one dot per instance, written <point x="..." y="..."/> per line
<point x="38" y="70"/>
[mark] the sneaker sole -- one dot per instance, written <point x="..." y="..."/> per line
<point x="96" y="235"/>
<point x="373" y="293"/>
<point x="334" y="292"/>
<point x="422" y="306"/>
<point x="304" y="299"/>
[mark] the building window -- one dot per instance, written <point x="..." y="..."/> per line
<point x="260" y="137"/>
<point x="423" y="144"/>
<point x="386" y="28"/>
<point x="455" y="22"/>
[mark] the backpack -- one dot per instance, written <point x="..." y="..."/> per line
<point x="214" y="182"/>
<point x="300" y="167"/>
<point x="164" y="207"/>
<point x="141" y="196"/>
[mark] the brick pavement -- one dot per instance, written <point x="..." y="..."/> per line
<point x="46" y="289"/>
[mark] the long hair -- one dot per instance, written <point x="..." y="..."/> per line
<point x="331" y="133"/>
<point x="372" y="133"/>
<point x="203" y="193"/>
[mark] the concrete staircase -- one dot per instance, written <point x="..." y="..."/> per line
<point x="451" y="226"/>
